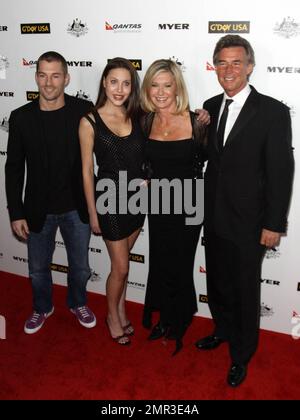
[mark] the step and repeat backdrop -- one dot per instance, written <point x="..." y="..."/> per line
<point x="87" y="35"/>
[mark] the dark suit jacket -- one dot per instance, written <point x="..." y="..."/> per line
<point x="26" y="145"/>
<point x="248" y="185"/>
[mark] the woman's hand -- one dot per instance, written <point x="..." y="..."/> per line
<point x="94" y="224"/>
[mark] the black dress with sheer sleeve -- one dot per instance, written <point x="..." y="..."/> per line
<point x="172" y="242"/>
<point x="115" y="155"/>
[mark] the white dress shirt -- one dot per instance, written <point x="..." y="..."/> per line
<point x="234" y="108"/>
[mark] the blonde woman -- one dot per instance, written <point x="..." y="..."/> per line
<point x="174" y="149"/>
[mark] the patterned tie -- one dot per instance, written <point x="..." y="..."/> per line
<point x="222" y="125"/>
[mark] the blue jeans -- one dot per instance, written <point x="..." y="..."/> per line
<point x="76" y="236"/>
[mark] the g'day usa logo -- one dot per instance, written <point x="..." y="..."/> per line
<point x="229" y="27"/>
<point x="77" y="28"/>
<point x="35" y="28"/>
<point x="136" y="62"/>
<point x="287" y="28"/>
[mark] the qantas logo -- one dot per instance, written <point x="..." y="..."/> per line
<point x="123" y="27"/>
<point x="30" y="63"/>
<point x="209" y="67"/>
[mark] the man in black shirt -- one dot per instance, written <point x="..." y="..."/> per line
<point x="43" y="136"/>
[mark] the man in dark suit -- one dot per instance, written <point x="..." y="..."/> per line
<point x="43" y="136"/>
<point x="248" y="185"/>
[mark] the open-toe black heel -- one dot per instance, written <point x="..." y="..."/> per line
<point x="123" y="339"/>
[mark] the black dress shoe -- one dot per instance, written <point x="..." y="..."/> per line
<point x="236" y="374"/>
<point x="209" y="343"/>
<point x="157" y="332"/>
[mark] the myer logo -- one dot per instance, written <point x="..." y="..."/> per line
<point x="35" y="28"/>
<point x="272" y="282"/>
<point x="59" y="268"/>
<point x="31" y="95"/>
<point x="137" y="258"/>
<point x="283" y="69"/>
<point x="3" y="153"/>
<point x="95" y="250"/>
<point x="203" y="299"/>
<point x="7" y="94"/>
<point x="3" y="28"/>
<point x="229" y="27"/>
<point x="79" y="63"/>
<point x="177" y="26"/>
<point x="20" y="259"/>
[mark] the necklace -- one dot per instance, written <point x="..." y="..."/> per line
<point x="166" y="133"/>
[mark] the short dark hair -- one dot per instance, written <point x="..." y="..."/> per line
<point x="228" y="41"/>
<point x="133" y="102"/>
<point x="50" y="56"/>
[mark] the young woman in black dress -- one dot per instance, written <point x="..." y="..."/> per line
<point x="112" y="132"/>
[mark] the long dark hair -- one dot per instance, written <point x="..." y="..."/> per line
<point x="133" y="102"/>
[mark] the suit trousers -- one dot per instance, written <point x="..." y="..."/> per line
<point x="233" y="288"/>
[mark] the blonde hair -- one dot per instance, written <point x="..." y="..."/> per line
<point x="159" y="66"/>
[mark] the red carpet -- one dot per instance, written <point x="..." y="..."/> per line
<point x="66" y="361"/>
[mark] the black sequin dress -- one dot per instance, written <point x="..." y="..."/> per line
<point x="115" y="154"/>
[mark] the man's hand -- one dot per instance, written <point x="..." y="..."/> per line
<point x="269" y="238"/>
<point x="20" y="228"/>
<point x="203" y="116"/>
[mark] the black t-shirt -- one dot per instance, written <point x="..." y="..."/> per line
<point x="59" y="192"/>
